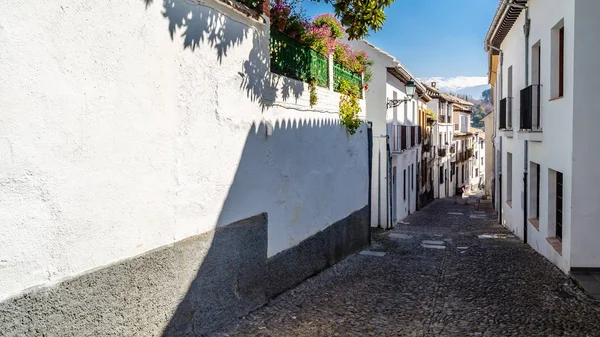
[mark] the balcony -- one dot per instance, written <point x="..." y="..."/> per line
<point x="530" y="108"/>
<point x="505" y="118"/>
<point x="442" y="152"/>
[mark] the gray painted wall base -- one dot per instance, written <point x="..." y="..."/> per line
<point x="191" y="288"/>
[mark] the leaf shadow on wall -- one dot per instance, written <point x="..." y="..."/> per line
<point x="233" y="276"/>
<point x="202" y="25"/>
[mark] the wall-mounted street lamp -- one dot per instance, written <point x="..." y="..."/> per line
<point x="410" y="93"/>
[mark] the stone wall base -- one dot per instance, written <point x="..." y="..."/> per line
<point x="190" y="288"/>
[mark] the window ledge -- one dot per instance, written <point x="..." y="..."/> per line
<point x="509" y="203"/>
<point x="535" y="135"/>
<point x="535" y="222"/>
<point x="505" y="133"/>
<point x="556" y="244"/>
<point x="555" y="98"/>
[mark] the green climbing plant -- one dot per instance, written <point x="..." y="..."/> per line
<point x="349" y="106"/>
<point x="312" y="83"/>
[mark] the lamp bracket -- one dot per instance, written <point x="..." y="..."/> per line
<point x="392" y="103"/>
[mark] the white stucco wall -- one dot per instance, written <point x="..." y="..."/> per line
<point x="555" y="149"/>
<point x="585" y="231"/>
<point x="120" y="136"/>
<point x="376" y="113"/>
<point x="405" y="114"/>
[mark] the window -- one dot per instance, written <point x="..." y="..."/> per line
<point x="406" y="113"/>
<point x="559" y="205"/>
<point x="477" y="172"/>
<point x="536" y="52"/>
<point x="482" y="161"/>
<point x="536" y="60"/>
<point x="404" y="185"/>
<point x="534" y="191"/>
<point x="412" y="180"/>
<point x="557" y="60"/>
<point x="509" y="101"/>
<point x="441" y="175"/>
<point x="395" y="109"/>
<point x="561" y="62"/>
<point x="509" y="178"/>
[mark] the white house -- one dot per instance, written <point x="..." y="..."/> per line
<point x="544" y="70"/>
<point x="156" y="177"/>
<point x="397" y="137"/>
<point x="442" y="106"/>
<point x="479" y="176"/>
<point x="463" y="149"/>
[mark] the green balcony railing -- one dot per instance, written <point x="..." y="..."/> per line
<point x="340" y="71"/>
<point x="296" y="60"/>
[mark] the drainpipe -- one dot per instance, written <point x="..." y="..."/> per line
<point x="370" y="161"/>
<point x="526" y="29"/>
<point x="378" y="183"/>
<point x="390" y="221"/>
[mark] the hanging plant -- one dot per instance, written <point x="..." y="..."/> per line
<point x="349" y="106"/>
<point x="337" y="31"/>
<point x="280" y="14"/>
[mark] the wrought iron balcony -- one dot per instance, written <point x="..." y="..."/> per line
<point x="505" y="118"/>
<point x="530" y="108"/>
<point x="442" y="152"/>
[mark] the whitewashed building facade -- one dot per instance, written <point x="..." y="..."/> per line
<point x="397" y="136"/>
<point x="156" y="178"/>
<point x="442" y="106"/>
<point x="544" y="70"/>
<point x="488" y="122"/>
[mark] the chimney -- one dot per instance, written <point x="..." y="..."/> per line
<point x="433" y="84"/>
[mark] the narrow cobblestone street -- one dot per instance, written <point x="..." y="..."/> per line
<point x="437" y="278"/>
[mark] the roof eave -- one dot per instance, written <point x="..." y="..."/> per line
<point x="503" y="21"/>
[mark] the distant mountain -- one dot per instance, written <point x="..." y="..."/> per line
<point x="465" y="85"/>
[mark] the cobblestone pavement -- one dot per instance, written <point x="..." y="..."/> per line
<point x="471" y="287"/>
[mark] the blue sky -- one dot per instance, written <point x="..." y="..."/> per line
<point x="433" y="37"/>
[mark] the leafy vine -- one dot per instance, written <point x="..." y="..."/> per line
<point x="349" y="106"/>
<point x="312" y="83"/>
